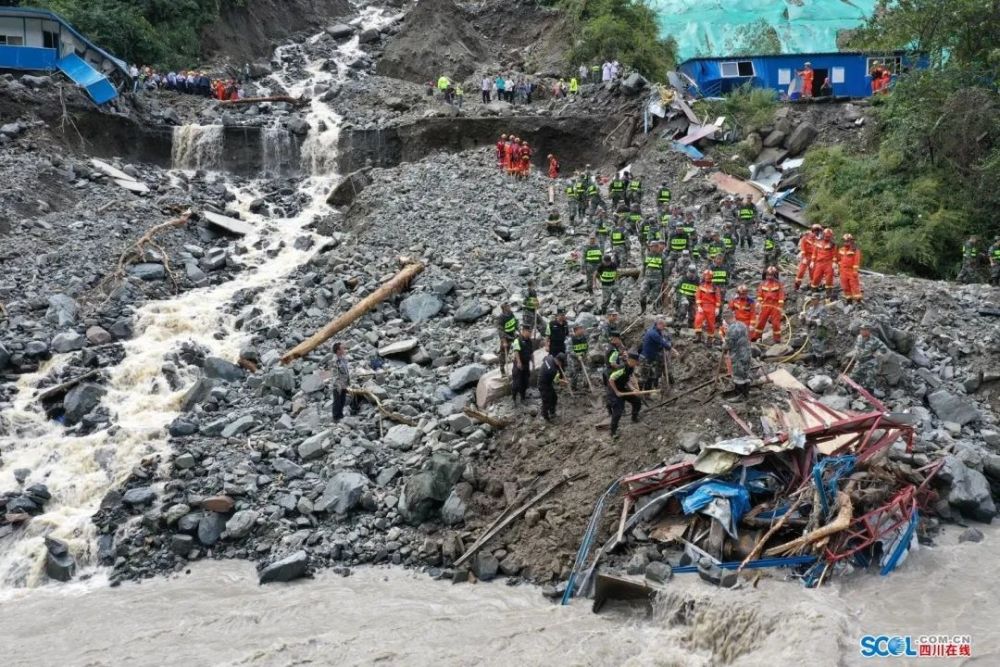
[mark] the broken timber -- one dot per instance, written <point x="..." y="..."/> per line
<point x="395" y="285"/>
<point x="496" y="527"/>
<point x="386" y="412"/>
<point x="480" y="416"/>
<point x="61" y="389"/>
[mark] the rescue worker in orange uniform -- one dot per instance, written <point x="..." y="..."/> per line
<point x="807" y="74"/>
<point x="771" y="295"/>
<point x="707" y="300"/>
<point x="849" y="261"/>
<point x="824" y="255"/>
<point x="806" y="245"/>
<point x="525" y="166"/>
<point x="508" y="147"/>
<point x="515" y="157"/>
<point x="743" y="306"/>
<point x="553" y="166"/>
<point x="500" y="149"/>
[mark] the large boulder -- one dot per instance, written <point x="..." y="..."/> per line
<point x="80" y="400"/>
<point x="950" y="408"/>
<point x="349" y="187"/>
<point x="470" y="311"/>
<point x="220" y="369"/>
<point x="62" y="311"/>
<point x="342" y="493"/>
<point x="968" y="490"/>
<point x="402" y="437"/>
<point x="286" y="569"/>
<point x="634" y="83"/>
<point x="340" y="31"/>
<point x="280" y="379"/>
<point x="465" y="376"/>
<point x="148" y="271"/>
<point x="240" y="524"/>
<point x="420" y="307"/>
<point x="59" y="562"/>
<point x="69" y="341"/>
<point x="800" y="139"/>
<point x="425" y="492"/>
<point x="315" y="447"/>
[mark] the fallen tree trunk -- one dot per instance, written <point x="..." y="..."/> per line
<point x="841" y="522"/>
<point x="479" y="416"/>
<point x="395" y="285"/>
<point x="297" y="101"/>
<point x="386" y="412"/>
<point x="62" y="389"/>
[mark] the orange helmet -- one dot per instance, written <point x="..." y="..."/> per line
<point x="550" y="156"/>
<point x="503" y="136"/>
<point x="817" y="228"/>
<point x="772" y="272"/>
<point x="828" y="233"/>
<point x="742" y="289"/>
<point x="706" y="276"/>
<point x="848" y="238"/>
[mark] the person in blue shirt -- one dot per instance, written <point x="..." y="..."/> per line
<point x="656" y="345"/>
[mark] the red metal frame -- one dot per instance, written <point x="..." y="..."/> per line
<point x="868" y="529"/>
<point x="644" y="483"/>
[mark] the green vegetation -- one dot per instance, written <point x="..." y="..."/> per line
<point x="747" y="109"/>
<point x="930" y="177"/>
<point x="623" y="30"/>
<point x="162" y="33"/>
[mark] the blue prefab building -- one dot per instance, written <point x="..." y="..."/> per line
<point x="40" y="40"/>
<point x="849" y="73"/>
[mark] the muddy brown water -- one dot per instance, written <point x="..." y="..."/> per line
<point x="218" y="615"/>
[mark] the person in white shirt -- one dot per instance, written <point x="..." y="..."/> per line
<point x="583" y="72"/>
<point x="606" y="71"/>
<point x="487" y="87"/>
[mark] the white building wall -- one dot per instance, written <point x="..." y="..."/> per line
<point x="33" y="33"/>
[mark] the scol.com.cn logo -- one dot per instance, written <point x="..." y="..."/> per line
<point x="910" y="646"/>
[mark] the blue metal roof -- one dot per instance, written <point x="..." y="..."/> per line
<point x="795" y="56"/>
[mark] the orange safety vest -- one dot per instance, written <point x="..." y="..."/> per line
<point x="849" y="258"/>
<point x="707" y="296"/>
<point x="771" y="293"/>
<point x="742" y="309"/>
<point x="824" y="251"/>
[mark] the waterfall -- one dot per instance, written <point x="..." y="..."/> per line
<point x="197" y="147"/>
<point x="277" y="151"/>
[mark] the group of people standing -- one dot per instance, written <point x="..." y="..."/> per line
<point x="190" y="82"/>
<point x="513" y="156"/>
<point x="976" y="261"/>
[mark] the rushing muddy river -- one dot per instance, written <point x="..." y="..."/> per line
<point x="218" y="615"/>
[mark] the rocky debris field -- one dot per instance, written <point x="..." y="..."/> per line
<point x="259" y="470"/>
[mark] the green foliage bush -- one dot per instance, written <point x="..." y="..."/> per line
<point x="625" y="30"/>
<point x="746" y="108"/>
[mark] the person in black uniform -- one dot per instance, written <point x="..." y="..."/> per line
<point x="523" y="349"/>
<point x="507" y="330"/>
<point x="619" y="383"/>
<point x="557" y="331"/>
<point x="551" y="371"/>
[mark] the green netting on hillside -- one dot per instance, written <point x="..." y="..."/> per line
<point x="710" y="27"/>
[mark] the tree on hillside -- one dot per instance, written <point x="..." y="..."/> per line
<point x="625" y="30"/>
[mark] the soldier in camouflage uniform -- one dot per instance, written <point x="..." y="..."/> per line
<point x="653" y="277"/>
<point x="772" y="248"/>
<point x="814" y="318"/>
<point x="993" y="254"/>
<point x="738" y="347"/>
<point x="579" y="349"/>
<point x="866" y="357"/>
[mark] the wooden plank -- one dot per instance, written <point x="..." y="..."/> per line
<point x="109" y="170"/>
<point x="132" y="186"/>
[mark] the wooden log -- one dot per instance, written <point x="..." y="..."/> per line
<point x="841" y="522"/>
<point x="395" y="285"/>
<point x="386" y="412"/>
<point x="497" y="527"/>
<point x="479" y="416"/>
<point x="774" y="529"/>
<point x="297" y="101"/>
<point x="61" y="389"/>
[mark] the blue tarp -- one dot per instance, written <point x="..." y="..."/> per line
<point x="737" y="495"/>
<point x="97" y="85"/>
<point x="713" y="27"/>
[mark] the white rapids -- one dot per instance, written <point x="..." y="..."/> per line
<point x="79" y="471"/>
